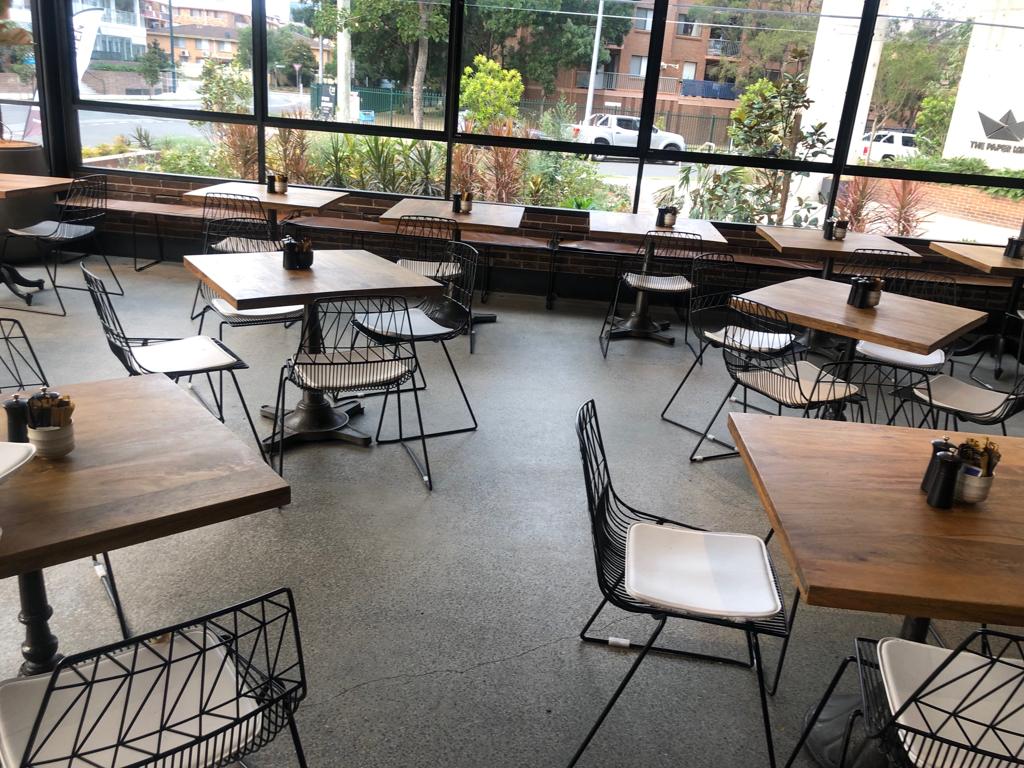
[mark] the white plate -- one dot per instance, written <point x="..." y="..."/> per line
<point x="13" y="456"/>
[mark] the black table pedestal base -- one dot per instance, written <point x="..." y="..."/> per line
<point x="15" y="281"/>
<point x="40" y="647"/>
<point x="638" y="326"/>
<point x="314" y="419"/>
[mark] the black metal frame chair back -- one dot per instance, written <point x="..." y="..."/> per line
<point x="81" y="211"/>
<point x="430" y="236"/>
<point x="872" y="262"/>
<point x="966" y="711"/>
<point x="664" y="265"/>
<point x="922" y="284"/>
<point x="610" y="520"/>
<point x="1009" y="406"/>
<point x="19" y="365"/>
<point x="453" y="315"/>
<point x="336" y="355"/>
<point x="206" y="692"/>
<point x="881" y="393"/>
<point x="123" y="347"/>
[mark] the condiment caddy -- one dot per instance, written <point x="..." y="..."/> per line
<point x="296" y="254"/>
<point x="667" y="216"/>
<point x="462" y="202"/>
<point x="44" y="420"/>
<point x="962" y="472"/>
<point x="865" y="292"/>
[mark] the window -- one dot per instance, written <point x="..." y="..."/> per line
<point x="225" y="46"/>
<point x="685" y="27"/>
<point x="19" y="106"/>
<point x="689" y="70"/>
<point x="637" y="65"/>
<point x="642" y="18"/>
<point x="203" y="44"/>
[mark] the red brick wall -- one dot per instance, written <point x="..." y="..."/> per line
<point x="974" y="204"/>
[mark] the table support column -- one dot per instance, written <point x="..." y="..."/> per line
<point x="40" y="646"/>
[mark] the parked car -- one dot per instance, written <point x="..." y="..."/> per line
<point x="888" y="145"/>
<point x="622" y="131"/>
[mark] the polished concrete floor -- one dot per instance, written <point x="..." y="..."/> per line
<point x="440" y="629"/>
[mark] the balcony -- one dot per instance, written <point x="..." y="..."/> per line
<point x="709" y="89"/>
<point x="719" y="48"/>
<point x="621" y="81"/>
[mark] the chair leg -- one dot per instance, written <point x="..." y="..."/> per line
<point x="278" y="430"/>
<point x="618" y="691"/>
<point x="755" y="649"/>
<point x="300" y="755"/>
<point x="44" y="259"/>
<point x="105" y="572"/>
<point x="248" y="416"/>
<point x="813" y="719"/>
<point x="706" y="434"/>
<point x="425" y="469"/>
<point x="785" y="641"/>
<point x="609" y="321"/>
<point x="549" y="301"/>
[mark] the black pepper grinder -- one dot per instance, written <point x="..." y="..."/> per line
<point x="943" y="487"/>
<point x="457" y="202"/>
<point x="938" y="446"/>
<point x="17" y="419"/>
<point x="271" y="182"/>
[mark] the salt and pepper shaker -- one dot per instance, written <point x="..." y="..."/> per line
<point x="457" y="202"/>
<point x="17" y="419"/>
<point x="829" y="229"/>
<point x="271" y="182"/>
<point x="938" y="446"/>
<point x="1014" y="248"/>
<point x="943" y="487"/>
<point x="839" y="230"/>
<point x="467" y="202"/>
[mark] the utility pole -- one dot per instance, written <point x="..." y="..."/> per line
<point x="593" y="62"/>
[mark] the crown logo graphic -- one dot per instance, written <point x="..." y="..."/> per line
<point x="1007" y="128"/>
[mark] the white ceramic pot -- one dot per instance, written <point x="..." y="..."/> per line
<point x="52" y="442"/>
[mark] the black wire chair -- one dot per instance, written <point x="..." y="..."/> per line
<point x="929" y="707"/>
<point x="421" y="243"/>
<point x="80" y="214"/>
<point x="963" y="402"/>
<point x="203" y="693"/>
<point x="612" y="525"/>
<point x="870" y="262"/>
<point x="662" y="266"/>
<point x="19" y="370"/>
<point x="436" y="319"/>
<point x="173" y="357"/>
<point x="874" y="393"/>
<point x="335" y="355"/>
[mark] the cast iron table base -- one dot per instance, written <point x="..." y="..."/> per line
<point x="315" y="418"/>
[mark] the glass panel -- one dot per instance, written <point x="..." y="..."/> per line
<point x="192" y="55"/>
<point x="933" y="211"/>
<point x="939" y="88"/>
<point x="383" y="163"/>
<point x="165" y="145"/>
<point x="763" y="75"/>
<point x="531" y="61"/>
<point x="394" y="54"/>
<point x="17" y="54"/>
<point x="537" y="177"/>
<point x="751" y="195"/>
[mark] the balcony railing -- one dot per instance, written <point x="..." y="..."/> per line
<point x="708" y="89"/>
<point x="620" y="81"/>
<point x="718" y="47"/>
<point x="121" y="17"/>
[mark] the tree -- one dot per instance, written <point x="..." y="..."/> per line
<point x="490" y="93"/>
<point x="933" y="119"/>
<point x="152" y="64"/>
<point x="285" y="46"/>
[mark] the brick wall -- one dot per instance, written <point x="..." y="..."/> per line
<point x="973" y="204"/>
<point x="587" y="275"/>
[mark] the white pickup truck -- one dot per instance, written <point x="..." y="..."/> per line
<point x="622" y="131"/>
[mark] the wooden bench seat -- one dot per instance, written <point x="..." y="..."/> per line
<point x="501" y="240"/>
<point x="339" y="224"/>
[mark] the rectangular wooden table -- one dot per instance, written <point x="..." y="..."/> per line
<point x="259" y="281"/>
<point x="845" y="503"/>
<point x="810" y="243"/>
<point x="149" y="461"/>
<point x="19" y="185"/>
<point x="990" y="260"/>
<point x="633" y="226"/>
<point x="296" y="199"/>
<point x="485" y="217"/>
<point x="903" y="322"/>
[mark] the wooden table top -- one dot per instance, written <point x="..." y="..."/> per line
<point x="635" y="225"/>
<point x="149" y="461"/>
<point x="906" y="323"/>
<point x="846" y="504"/>
<point x="296" y="199"/>
<point x="984" y="258"/>
<point x="16" y="184"/>
<point x="794" y="241"/>
<point x="485" y="217"/>
<point x="258" y="280"/>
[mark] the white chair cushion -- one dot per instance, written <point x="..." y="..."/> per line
<point x="391" y="325"/>
<point x="957" y="395"/>
<point x="779" y="382"/>
<point x="332" y="372"/>
<point x="726" y="575"/>
<point x="13" y="456"/>
<point x="884" y="354"/>
<point x="55" y="230"/>
<point x="206" y="702"/>
<point x="195" y="353"/>
<point x="245" y="245"/>
<point x="749" y="339"/>
<point x="224" y="309"/>
<point x="995" y="691"/>
<point x="669" y="284"/>
<point x="442" y="269"/>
